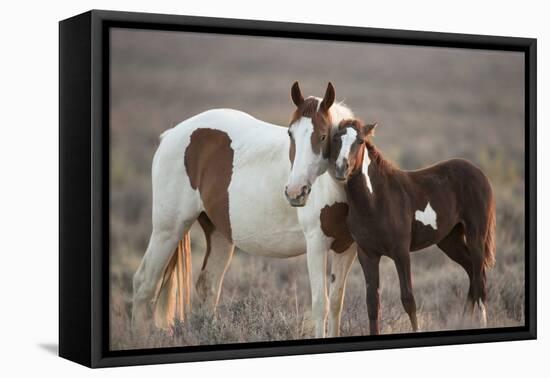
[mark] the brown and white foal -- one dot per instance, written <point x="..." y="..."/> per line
<point x="393" y="212"/>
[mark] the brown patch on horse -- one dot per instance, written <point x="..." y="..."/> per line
<point x="333" y="224"/>
<point x="321" y="121"/>
<point x="208" y="228"/>
<point x="318" y="111"/>
<point x="308" y="108"/>
<point x="209" y="165"/>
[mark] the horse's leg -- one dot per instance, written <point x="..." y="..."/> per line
<point x="176" y="206"/>
<point x="370" y="264"/>
<point x="340" y="267"/>
<point x="317" y="250"/>
<point x="402" y="260"/>
<point x="219" y="251"/>
<point x="148" y="278"/>
<point x="455" y="247"/>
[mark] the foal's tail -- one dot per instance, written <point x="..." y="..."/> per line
<point x="490" y="236"/>
<point x="174" y="300"/>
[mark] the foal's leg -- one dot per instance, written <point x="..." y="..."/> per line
<point x="402" y="260"/>
<point x="371" y="267"/>
<point x="216" y="262"/>
<point x="454" y="246"/>
<point x="341" y="264"/>
<point x="317" y="250"/>
<point x="479" y="294"/>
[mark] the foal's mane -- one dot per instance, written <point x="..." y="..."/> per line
<point x="385" y="166"/>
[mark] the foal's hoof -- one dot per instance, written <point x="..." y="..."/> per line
<point x="482" y="315"/>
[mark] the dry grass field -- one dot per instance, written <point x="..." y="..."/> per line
<point x="431" y="104"/>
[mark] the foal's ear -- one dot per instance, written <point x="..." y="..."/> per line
<point x="296" y="94"/>
<point x="368" y="130"/>
<point x="328" y="100"/>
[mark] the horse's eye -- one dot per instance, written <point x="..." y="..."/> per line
<point x="323" y="137"/>
<point x="360" y="141"/>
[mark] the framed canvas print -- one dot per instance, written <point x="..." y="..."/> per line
<point x="234" y="188"/>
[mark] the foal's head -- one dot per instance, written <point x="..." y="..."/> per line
<point x="348" y="147"/>
<point x="309" y="132"/>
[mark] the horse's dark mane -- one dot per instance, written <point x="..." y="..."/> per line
<point x="385" y="166"/>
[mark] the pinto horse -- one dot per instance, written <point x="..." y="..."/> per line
<point x="393" y="212"/>
<point x="228" y="171"/>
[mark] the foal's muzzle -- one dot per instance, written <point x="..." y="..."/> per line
<point x="341" y="171"/>
<point x="300" y="199"/>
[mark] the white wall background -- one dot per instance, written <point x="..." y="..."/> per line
<point x="29" y="189"/>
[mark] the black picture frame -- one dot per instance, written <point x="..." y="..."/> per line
<point x="84" y="187"/>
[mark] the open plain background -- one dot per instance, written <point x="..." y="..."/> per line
<point x="29" y="194"/>
<point x="431" y="104"/>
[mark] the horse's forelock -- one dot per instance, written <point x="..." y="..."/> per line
<point x="337" y="112"/>
<point x="308" y="108"/>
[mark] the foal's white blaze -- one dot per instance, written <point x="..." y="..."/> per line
<point x="347" y="141"/>
<point x="307" y="164"/>
<point x="428" y="217"/>
<point x="366" y="163"/>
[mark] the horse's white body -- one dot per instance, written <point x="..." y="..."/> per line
<point x="262" y="221"/>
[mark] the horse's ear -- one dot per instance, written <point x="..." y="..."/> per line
<point x="368" y="130"/>
<point x="296" y="94"/>
<point x="328" y="100"/>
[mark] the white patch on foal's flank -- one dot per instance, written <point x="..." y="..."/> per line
<point x="428" y="217"/>
<point x="365" y="168"/>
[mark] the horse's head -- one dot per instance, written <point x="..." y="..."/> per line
<point x="348" y="147"/>
<point x="309" y="133"/>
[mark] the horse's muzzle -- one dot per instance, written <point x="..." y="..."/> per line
<point x="299" y="200"/>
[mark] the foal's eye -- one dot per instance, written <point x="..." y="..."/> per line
<point x="323" y="137"/>
<point x="289" y="133"/>
<point x="360" y="141"/>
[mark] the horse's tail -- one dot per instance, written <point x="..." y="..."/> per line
<point x="174" y="299"/>
<point x="490" y="236"/>
<point x="184" y="276"/>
